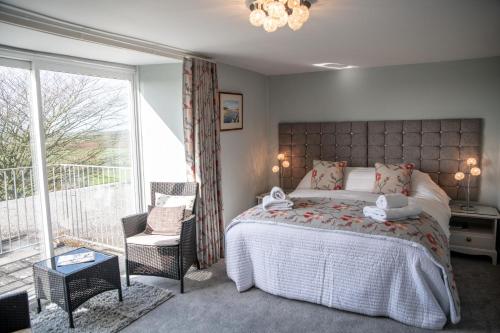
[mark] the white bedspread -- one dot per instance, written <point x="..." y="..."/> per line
<point x="342" y="270"/>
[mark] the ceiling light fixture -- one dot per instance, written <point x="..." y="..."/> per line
<point x="334" y="65"/>
<point x="274" y="14"/>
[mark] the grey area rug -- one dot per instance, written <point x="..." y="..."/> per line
<point x="102" y="313"/>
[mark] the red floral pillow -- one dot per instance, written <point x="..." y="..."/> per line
<point x="393" y="178"/>
<point x="328" y="175"/>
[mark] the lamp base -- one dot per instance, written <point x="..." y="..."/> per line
<point x="468" y="208"/>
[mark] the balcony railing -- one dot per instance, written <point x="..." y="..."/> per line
<point x="86" y="203"/>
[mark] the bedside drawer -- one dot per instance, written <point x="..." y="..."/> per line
<point x="473" y="240"/>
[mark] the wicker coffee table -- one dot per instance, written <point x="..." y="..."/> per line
<point x="72" y="285"/>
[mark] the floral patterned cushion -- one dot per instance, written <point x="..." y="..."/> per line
<point x="393" y="178"/>
<point x="327" y="175"/>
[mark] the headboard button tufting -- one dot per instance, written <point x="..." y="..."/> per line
<point x="374" y="143"/>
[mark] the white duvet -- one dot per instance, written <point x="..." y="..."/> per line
<point x="343" y="270"/>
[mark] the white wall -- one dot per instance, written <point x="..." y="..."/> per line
<point x="244" y="152"/>
<point x="439" y="90"/>
<point x="468" y="89"/>
<point x="162" y="125"/>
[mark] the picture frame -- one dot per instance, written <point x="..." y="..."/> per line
<point x="231" y="111"/>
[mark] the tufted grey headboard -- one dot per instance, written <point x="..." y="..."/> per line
<point x="437" y="147"/>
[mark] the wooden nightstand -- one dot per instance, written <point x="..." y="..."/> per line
<point x="474" y="232"/>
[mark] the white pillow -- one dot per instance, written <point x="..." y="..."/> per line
<point x="359" y="179"/>
<point x="422" y="186"/>
<point x="355" y="179"/>
<point x="305" y="183"/>
<point x="164" y="200"/>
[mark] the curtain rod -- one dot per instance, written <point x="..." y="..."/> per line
<point x="35" y="21"/>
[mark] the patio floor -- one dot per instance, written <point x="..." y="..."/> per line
<point x="16" y="272"/>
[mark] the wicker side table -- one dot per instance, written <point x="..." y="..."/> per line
<point x="72" y="285"/>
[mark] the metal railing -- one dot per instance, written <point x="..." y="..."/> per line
<point x="86" y="203"/>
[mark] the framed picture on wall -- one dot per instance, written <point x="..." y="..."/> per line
<point x="231" y="111"/>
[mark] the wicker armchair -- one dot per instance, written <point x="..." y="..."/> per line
<point x="14" y="312"/>
<point x="170" y="256"/>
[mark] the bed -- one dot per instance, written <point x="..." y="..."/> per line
<point x="324" y="251"/>
<point x="373" y="273"/>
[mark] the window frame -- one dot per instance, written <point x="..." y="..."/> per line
<point x="36" y="62"/>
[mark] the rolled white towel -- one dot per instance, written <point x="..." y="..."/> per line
<point x="394" y="214"/>
<point x="277" y="193"/>
<point x="268" y="203"/>
<point x="393" y="200"/>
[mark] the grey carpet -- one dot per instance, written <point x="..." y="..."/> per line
<point x="102" y="313"/>
<point x="212" y="304"/>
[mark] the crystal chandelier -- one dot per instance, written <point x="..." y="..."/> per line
<point x="274" y="14"/>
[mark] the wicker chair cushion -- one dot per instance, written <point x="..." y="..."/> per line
<point x="393" y="178"/>
<point x="165" y="200"/>
<point x="165" y="221"/>
<point x="153" y="240"/>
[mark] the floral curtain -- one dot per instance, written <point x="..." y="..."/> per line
<point x="202" y="144"/>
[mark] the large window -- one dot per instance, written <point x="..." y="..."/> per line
<point x="18" y="204"/>
<point x="87" y="147"/>
<point x="68" y="165"/>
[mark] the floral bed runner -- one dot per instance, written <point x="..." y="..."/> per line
<point x="347" y="216"/>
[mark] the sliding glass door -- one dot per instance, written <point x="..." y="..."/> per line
<point x="68" y="160"/>
<point x="87" y="147"/>
<point x="18" y="204"/>
<point x="20" y="229"/>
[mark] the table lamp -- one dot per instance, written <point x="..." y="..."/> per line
<point x="282" y="164"/>
<point x="473" y="170"/>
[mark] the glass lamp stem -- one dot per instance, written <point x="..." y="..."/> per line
<point x="468" y="189"/>
<point x="280" y="174"/>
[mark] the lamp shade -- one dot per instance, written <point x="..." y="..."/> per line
<point x="257" y="17"/>
<point x="475" y="171"/>
<point x="281" y="156"/>
<point x="459" y="176"/>
<point x="270" y="24"/>
<point x="276" y="169"/>
<point x="471" y="161"/>
<point x="285" y="164"/>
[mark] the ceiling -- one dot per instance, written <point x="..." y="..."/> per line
<point x="364" y="33"/>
